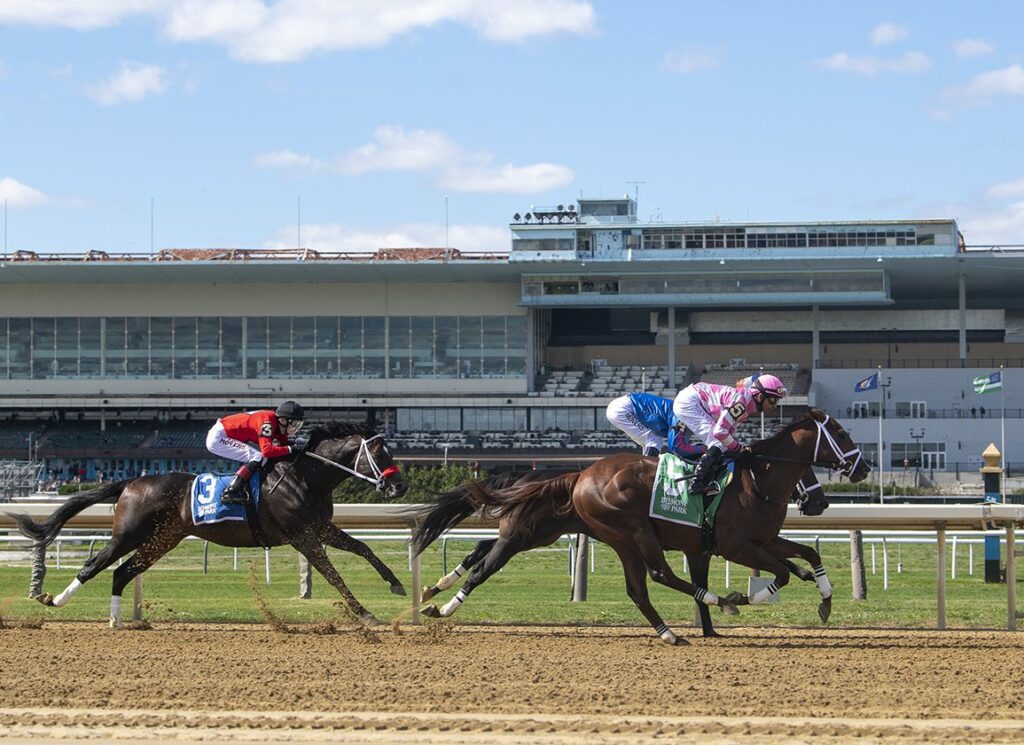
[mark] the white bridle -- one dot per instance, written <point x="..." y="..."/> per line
<point x="379" y="476"/>
<point x="847" y="466"/>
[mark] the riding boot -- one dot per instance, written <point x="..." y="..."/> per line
<point x="704" y="473"/>
<point x="237" y="492"/>
<point x="650" y="451"/>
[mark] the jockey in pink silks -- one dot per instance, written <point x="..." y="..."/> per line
<point x="712" y="413"/>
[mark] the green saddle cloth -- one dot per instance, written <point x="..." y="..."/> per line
<point x="670" y="498"/>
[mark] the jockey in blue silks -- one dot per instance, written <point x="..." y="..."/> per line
<point x="649" y="422"/>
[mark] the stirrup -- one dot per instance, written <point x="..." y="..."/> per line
<point x="235" y="496"/>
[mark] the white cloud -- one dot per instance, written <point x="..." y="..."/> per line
<point x="289" y="159"/>
<point x="994" y="225"/>
<point x="1006" y="189"/>
<point x="506" y="179"/>
<point x="1006" y="81"/>
<point x="18" y="194"/>
<point x="887" y="33"/>
<point x="909" y="63"/>
<point x="355" y="239"/>
<point x="133" y="82"/>
<point x="290" y="30"/>
<point x="77" y="14"/>
<point x="691" y="59"/>
<point x="454" y="168"/>
<point x="396" y="149"/>
<point x="972" y="47"/>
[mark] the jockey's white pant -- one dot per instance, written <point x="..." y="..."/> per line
<point x="218" y="443"/>
<point x="620" y="414"/>
<point x="689" y="410"/>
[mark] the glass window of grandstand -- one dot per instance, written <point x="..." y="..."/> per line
<point x="927" y="455"/>
<point x="870" y="452"/>
<point x="263" y="347"/>
<point x="494" y="420"/>
<point x="564" y="419"/>
<point x="429" y="420"/>
<point x="911" y="409"/>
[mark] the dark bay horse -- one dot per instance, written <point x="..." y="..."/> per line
<point x="612" y="499"/>
<point x="153" y="514"/>
<point x="546" y="525"/>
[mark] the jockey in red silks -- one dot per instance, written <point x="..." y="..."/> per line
<point x="233" y="436"/>
<point x="712" y="413"/>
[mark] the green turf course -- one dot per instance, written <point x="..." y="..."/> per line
<point x="533" y="588"/>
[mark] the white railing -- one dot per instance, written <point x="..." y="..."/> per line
<point x="935" y="519"/>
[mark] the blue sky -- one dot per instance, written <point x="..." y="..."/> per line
<point x="225" y="112"/>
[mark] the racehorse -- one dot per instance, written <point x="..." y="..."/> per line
<point x="153" y="514"/>
<point x="612" y="498"/>
<point x="545" y="527"/>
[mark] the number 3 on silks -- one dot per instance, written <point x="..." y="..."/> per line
<point x="208" y="487"/>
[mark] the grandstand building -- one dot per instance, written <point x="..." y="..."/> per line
<point x="119" y="363"/>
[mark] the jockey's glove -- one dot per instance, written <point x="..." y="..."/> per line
<point x="299" y="444"/>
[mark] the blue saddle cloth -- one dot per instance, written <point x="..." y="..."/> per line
<point x="206" y="504"/>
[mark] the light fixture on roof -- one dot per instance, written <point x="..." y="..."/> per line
<point x="517" y="217"/>
<point x="722" y="262"/>
<point x="879" y="259"/>
<point x="528" y="217"/>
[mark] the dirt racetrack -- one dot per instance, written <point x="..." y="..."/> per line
<point x="477" y="684"/>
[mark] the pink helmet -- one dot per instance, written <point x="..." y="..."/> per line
<point x="769" y="385"/>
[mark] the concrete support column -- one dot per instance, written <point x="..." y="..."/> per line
<point x="815" y="336"/>
<point x="579" y="570"/>
<point x="858" y="579"/>
<point x="531" y="354"/>
<point x="963" y="320"/>
<point x="672" y="347"/>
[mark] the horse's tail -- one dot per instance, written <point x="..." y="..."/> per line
<point x="449" y="508"/>
<point x="525" y="504"/>
<point x="43" y="533"/>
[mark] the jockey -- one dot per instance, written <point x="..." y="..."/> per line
<point x="649" y="422"/>
<point x="233" y="436"/>
<point x="712" y="412"/>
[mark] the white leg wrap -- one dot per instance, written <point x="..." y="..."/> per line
<point x="68" y="593"/>
<point x="764" y="593"/>
<point x="666" y="634"/>
<point x="452" y="605"/>
<point x="115" y="611"/>
<point x="705" y="596"/>
<point x="451" y="578"/>
<point x="824" y="586"/>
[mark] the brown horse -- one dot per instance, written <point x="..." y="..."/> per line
<point x="612" y="498"/>
<point x="546" y="525"/>
<point x="153" y="514"/>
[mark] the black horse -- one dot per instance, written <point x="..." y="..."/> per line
<point x="547" y="524"/>
<point x="153" y="514"/>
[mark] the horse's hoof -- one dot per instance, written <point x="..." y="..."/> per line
<point x="428" y="592"/>
<point x="115" y="623"/>
<point x="825" y="609"/>
<point x="713" y="634"/>
<point x="45" y="598"/>
<point x="371" y="620"/>
<point x="730" y="610"/>
<point x="430" y="611"/>
<point x="678" y="641"/>
<point x="398" y="589"/>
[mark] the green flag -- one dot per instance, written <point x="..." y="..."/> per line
<point x="988" y="383"/>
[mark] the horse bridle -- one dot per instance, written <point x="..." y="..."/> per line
<point x="379" y="478"/>
<point x="845" y="465"/>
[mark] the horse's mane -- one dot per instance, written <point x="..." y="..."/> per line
<point x="337" y="431"/>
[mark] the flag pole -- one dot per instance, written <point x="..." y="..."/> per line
<point x="1002" y="431"/>
<point x="881" y="467"/>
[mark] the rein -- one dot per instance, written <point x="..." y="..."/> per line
<point x="379" y="475"/>
<point x="843" y="463"/>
